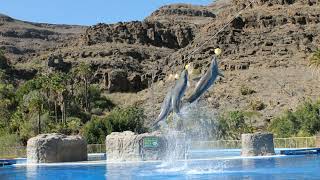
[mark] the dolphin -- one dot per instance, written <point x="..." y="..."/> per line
<point x="166" y="107"/>
<point x="178" y="91"/>
<point x="173" y="97"/>
<point x="206" y="80"/>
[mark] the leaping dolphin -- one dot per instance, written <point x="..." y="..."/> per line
<point x="166" y="107"/>
<point x="206" y="81"/>
<point x="178" y="91"/>
<point x="173" y="97"/>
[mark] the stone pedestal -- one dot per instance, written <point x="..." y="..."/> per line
<point x="257" y="144"/>
<point x="49" y="148"/>
<point x="318" y="140"/>
<point x="127" y="146"/>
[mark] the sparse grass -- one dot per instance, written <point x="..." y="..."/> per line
<point x="126" y="99"/>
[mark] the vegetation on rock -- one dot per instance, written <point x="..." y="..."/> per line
<point x="314" y="60"/>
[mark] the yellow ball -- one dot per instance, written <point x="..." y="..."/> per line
<point x="176" y="76"/>
<point x="217" y="51"/>
<point x="187" y="66"/>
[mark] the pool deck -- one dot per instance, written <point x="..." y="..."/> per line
<point x="301" y="151"/>
<point x="6" y="162"/>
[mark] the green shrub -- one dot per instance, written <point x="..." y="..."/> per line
<point x="232" y="124"/>
<point x="305" y="121"/>
<point x="127" y="119"/>
<point x="26" y="131"/>
<point x="103" y="103"/>
<point x="283" y="126"/>
<point x="9" y="140"/>
<point x="74" y="125"/>
<point x="96" y="130"/>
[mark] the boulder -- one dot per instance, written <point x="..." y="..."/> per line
<point x="118" y="81"/>
<point x="257" y="144"/>
<point x="128" y="146"/>
<point x="49" y="148"/>
<point x="318" y="140"/>
<point x="56" y="63"/>
<point x="135" y="82"/>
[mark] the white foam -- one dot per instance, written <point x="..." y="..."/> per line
<point x="164" y="163"/>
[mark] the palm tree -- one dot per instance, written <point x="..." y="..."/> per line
<point x="59" y="87"/>
<point x="34" y="101"/>
<point x="84" y="72"/>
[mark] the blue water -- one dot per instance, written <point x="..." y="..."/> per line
<point x="202" y="165"/>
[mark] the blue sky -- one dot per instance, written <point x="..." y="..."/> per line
<point x="84" y="12"/>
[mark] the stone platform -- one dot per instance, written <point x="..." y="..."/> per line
<point x="257" y="144"/>
<point x="128" y="146"/>
<point x="50" y="148"/>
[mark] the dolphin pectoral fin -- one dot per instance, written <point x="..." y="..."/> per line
<point x="196" y="78"/>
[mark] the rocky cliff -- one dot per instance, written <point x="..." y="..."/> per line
<point x="265" y="49"/>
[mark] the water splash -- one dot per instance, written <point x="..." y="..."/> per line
<point x="195" y="122"/>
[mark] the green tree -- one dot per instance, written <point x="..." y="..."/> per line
<point x="283" y="126"/>
<point x="96" y="130"/>
<point x="304" y="121"/>
<point x="7" y="103"/>
<point x="232" y="124"/>
<point x="84" y="72"/>
<point x="58" y="85"/>
<point x="127" y="119"/>
<point x="35" y="101"/>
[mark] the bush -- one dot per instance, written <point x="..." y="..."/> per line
<point x="96" y="130"/>
<point x="74" y="125"/>
<point x="232" y="124"/>
<point x="305" y="121"/>
<point x="103" y="103"/>
<point x="9" y="140"/>
<point x="127" y="119"/>
<point x="283" y="126"/>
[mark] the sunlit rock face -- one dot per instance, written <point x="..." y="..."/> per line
<point x="50" y="148"/>
<point x="257" y="144"/>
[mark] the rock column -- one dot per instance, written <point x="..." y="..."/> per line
<point x="257" y="144"/>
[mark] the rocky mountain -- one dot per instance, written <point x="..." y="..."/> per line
<point x="265" y="43"/>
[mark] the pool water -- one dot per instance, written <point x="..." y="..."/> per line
<point x="202" y="165"/>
